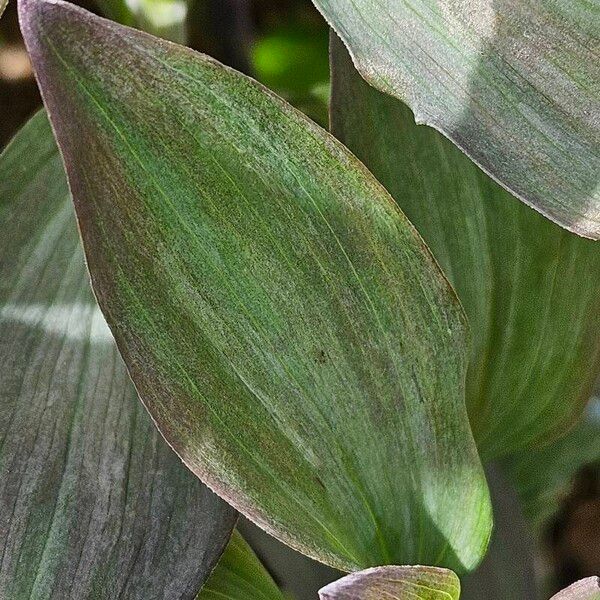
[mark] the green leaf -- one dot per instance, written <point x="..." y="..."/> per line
<point x="239" y="575"/>
<point x="164" y="18"/>
<point x="3" y="5"/>
<point x="531" y="290"/>
<point x="395" y="583"/>
<point x="283" y="322"/>
<point x="544" y="477"/>
<point x="586" y="589"/>
<point x="117" y="10"/>
<point x="514" y="83"/>
<point x="93" y="504"/>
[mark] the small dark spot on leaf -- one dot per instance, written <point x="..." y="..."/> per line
<point x="321" y="357"/>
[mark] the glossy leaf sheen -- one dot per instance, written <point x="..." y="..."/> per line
<point x="395" y="583"/>
<point x="586" y="589"/>
<point x="531" y="290"/>
<point x="283" y="322"/>
<point x="93" y="503"/>
<point x="514" y="83"/>
<point x="239" y="575"/>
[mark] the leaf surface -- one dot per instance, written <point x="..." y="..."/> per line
<point x="586" y="589"/>
<point x="395" y="583"/>
<point x="531" y="290"/>
<point x="93" y="503"/>
<point x="283" y="322"/>
<point x="239" y="575"/>
<point x="514" y="83"/>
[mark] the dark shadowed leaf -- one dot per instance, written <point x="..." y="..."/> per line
<point x="93" y="503"/>
<point x="544" y="477"/>
<point x="298" y="576"/>
<point x="282" y="320"/>
<point x="586" y="589"/>
<point x="395" y="583"/>
<point x="239" y="575"/>
<point x="513" y="83"/>
<point x="531" y="290"/>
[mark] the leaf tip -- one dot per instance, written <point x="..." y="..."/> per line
<point x="39" y="18"/>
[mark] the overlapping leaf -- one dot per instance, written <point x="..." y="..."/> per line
<point x="240" y="576"/>
<point x="395" y="583"/>
<point x="531" y="290"/>
<point x="92" y="501"/>
<point x="513" y="83"/>
<point x="283" y="322"/>
<point x="586" y="589"/>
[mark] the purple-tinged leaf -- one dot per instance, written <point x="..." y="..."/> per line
<point x="531" y="290"/>
<point x="515" y="84"/>
<point x="93" y="503"/>
<point x="586" y="589"/>
<point x="395" y="583"/>
<point x="284" y="323"/>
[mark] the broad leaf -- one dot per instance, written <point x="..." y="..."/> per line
<point x="395" y="583"/>
<point x="3" y="5"/>
<point x="92" y="501"/>
<point x="531" y="290"/>
<point x="514" y="83"/>
<point x="586" y="589"/>
<point x="283" y="322"/>
<point x="239" y="575"/>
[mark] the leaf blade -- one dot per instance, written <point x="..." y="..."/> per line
<point x="265" y="279"/>
<point x="586" y="589"/>
<point x="529" y="288"/>
<point x="513" y="84"/>
<point x="399" y="583"/>
<point x="239" y="575"/>
<point x="89" y="491"/>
